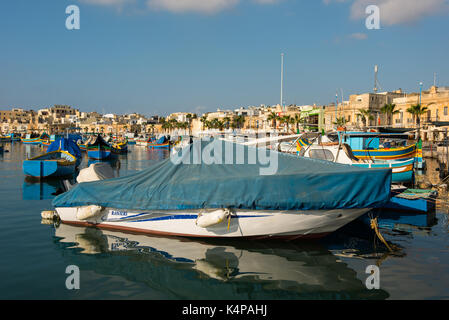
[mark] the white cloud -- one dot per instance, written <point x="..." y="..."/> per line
<point x="358" y="36"/>
<point x="107" y="2"/>
<point x="400" y="11"/>
<point x="201" y="6"/>
<point x="266" y="1"/>
<point x="394" y="12"/>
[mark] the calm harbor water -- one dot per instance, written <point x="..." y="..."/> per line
<point x="116" y="265"/>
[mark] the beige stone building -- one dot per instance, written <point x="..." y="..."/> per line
<point x="436" y="119"/>
<point x="350" y="109"/>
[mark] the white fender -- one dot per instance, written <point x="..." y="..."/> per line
<point x="48" y="215"/>
<point x="84" y="213"/>
<point x="205" y="220"/>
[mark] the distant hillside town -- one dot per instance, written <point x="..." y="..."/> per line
<point x="427" y="110"/>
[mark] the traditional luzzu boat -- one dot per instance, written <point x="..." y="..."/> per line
<point x="67" y="145"/>
<point x="144" y="141"/>
<point x="403" y="170"/>
<point x="230" y="197"/>
<point x="120" y="147"/>
<point x="14" y="137"/>
<point x="161" y="143"/>
<point x="367" y="145"/>
<point x="99" y="149"/>
<point x="5" y="139"/>
<point x="59" y="161"/>
<point x="31" y="139"/>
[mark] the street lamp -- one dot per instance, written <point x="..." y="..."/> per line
<point x="420" y="92"/>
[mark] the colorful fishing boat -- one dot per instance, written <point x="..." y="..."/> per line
<point x="120" y="147"/>
<point x="377" y="146"/>
<point x="403" y="170"/>
<point x="67" y="145"/>
<point x="5" y="139"/>
<point x="161" y="143"/>
<point x="223" y="200"/>
<point x="144" y="141"/>
<point x="99" y="149"/>
<point x="14" y="137"/>
<point x="50" y="165"/>
<point x="34" y="139"/>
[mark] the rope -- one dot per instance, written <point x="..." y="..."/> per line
<point x="375" y="226"/>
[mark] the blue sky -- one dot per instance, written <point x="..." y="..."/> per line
<point x="163" y="56"/>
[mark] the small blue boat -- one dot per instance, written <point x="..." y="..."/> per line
<point x="50" y="165"/>
<point x="67" y="145"/>
<point x="418" y="200"/>
<point x="99" y="150"/>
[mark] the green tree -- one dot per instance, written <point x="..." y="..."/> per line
<point x="273" y="117"/>
<point x="341" y="121"/>
<point x="366" y="115"/>
<point x="417" y="111"/>
<point x="388" y="110"/>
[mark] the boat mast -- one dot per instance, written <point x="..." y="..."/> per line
<point x="282" y="81"/>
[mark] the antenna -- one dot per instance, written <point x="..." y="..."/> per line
<point x="434" y="79"/>
<point x="375" y="78"/>
<point x="376" y="82"/>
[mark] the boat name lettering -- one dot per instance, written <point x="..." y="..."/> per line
<point x="119" y="213"/>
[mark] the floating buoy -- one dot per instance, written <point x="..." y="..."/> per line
<point x="212" y="218"/>
<point x="48" y="214"/>
<point x="47" y="221"/>
<point x="87" y="212"/>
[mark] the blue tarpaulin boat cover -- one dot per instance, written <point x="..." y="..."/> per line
<point x="161" y="140"/>
<point x="75" y="137"/>
<point x="67" y="145"/>
<point x="227" y="175"/>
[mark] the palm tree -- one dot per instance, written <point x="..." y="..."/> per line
<point x="238" y="121"/>
<point x="340" y="121"/>
<point x="226" y="121"/>
<point x="203" y="120"/>
<point x="189" y="117"/>
<point x="287" y="120"/>
<point x="388" y="110"/>
<point x="417" y="110"/>
<point x="366" y="115"/>
<point x="273" y="117"/>
<point x="297" y="120"/>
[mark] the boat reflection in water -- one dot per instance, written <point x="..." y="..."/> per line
<point x="33" y="189"/>
<point x="186" y="269"/>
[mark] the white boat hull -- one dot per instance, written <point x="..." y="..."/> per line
<point x="242" y="224"/>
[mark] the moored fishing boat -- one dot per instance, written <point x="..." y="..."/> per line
<point x="14" y="137"/>
<point x="5" y="139"/>
<point x="120" y="147"/>
<point x="49" y="165"/>
<point x="145" y="141"/>
<point x="99" y="149"/>
<point x="67" y="145"/>
<point x="342" y="153"/>
<point x="378" y="146"/>
<point x="161" y="143"/>
<point x="35" y="139"/>
<point x="186" y="198"/>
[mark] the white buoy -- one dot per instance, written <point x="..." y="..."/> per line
<point x="212" y="218"/>
<point x="48" y="214"/>
<point x="87" y="212"/>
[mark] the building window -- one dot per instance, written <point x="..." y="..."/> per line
<point x="445" y="111"/>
